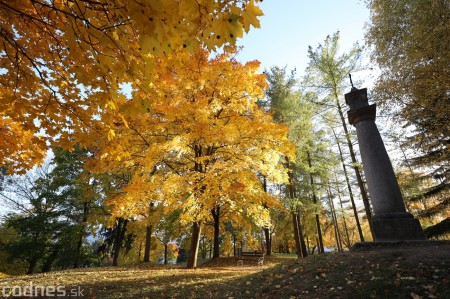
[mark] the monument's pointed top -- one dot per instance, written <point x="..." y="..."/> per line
<point x="351" y="82"/>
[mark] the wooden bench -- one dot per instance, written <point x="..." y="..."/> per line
<point x="251" y="256"/>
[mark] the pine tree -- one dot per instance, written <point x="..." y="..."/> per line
<point x="326" y="73"/>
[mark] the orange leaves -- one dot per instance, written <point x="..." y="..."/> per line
<point x="83" y="51"/>
<point x="165" y="26"/>
<point x="20" y="147"/>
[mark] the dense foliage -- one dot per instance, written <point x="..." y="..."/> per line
<point x="410" y="42"/>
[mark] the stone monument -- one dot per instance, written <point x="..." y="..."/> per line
<point x="390" y="221"/>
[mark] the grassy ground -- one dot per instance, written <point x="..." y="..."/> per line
<point x="421" y="271"/>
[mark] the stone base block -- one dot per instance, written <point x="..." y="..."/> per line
<point x="443" y="245"/>
<point x="397" y="229"/>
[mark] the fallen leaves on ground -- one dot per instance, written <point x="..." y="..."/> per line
<point x="416" y="272"/>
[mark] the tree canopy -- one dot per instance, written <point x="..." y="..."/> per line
<point x="198" y="131"/>
<point x="63" y="63"/>
<point x="411" y="44"/>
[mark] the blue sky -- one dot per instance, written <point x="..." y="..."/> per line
<point x="288" y="27"/>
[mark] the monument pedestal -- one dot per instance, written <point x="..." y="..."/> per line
<point x="399" y="227"/>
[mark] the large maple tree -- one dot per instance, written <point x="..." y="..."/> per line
<point x="195" y="139"/>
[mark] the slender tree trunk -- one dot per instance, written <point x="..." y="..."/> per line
<point x="307" y="245"/>
<point x="337" y="238"/>
<point x="302" y="239"/>
<point x="362" y="189"/>
<point x="140" y="251"/>
<point x="81" y="234"/>
<point x="343" y="215"/>
<point x="267" y="233"/>
<point x="148" y="237"/>
<point x="337" y="234"/>
<point x="298" y="248"/>
<point x="78" y="249"/>
<point x="122" y="236"/>
<point x="314" y="196"/>
<point x="148" y="242"/>
<point x="195" y="240"/>
<point x="321" y="248"/>
<point x="210" y="250"/>
<point x="298" y="232"/>
<point x="355" y="212"/>
<point x="216" y="216"/>
<point x="165" y="253"/>
<point x="202" y="247"/>
<point x="337" y="225"/>
<point x="268" y="241"/>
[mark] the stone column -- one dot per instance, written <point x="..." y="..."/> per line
<point x="390" y="221"/>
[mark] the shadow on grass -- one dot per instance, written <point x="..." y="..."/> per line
<point x="395" y="273"/>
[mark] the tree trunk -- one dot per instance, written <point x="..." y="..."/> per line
<point x="343" y="215"/>
<point x="313" y="189"/>
<point x="32" y="265"/>
<point x="298" y="248"/>
<point x="268" y="241"/>
<point x="195" y="240"/>
<point x="307" y="245"/>
<point x="116" y="245"/>
<point x="355" y="166"/>
<point x="302" y="239"/>
<point x="202" y="247"/>
<point x="321" y="249"/>
<point x="78" y="249"/>
<point x="47" y="265"/>
<point x="140" y="251"/>
<point x="165" y="253"/>
<point x="355" y="212"/>
<point x="148" y="236"/>
<point x="337" y="234"/>
<point x="267" y="234"/>
<point x="148" y="242"/>
<point x="210" y="249"/>
<point x="298" y="232"/>
<point x="216" y="216"/>
<point x="82" y="233"/>
<point x="120" y="234"/>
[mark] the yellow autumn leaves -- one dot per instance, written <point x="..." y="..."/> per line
<point x="200" y="142"/>
<point x="63" y="63"/>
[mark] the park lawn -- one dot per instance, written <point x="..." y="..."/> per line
<point x="399" y="272"/>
